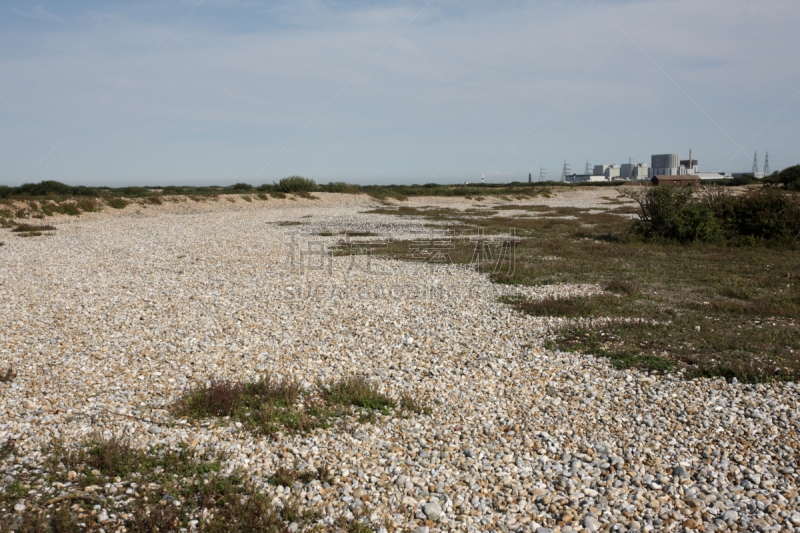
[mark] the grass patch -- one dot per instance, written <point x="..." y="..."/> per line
<point x="269" y="406"/>
<point x="117" y="203"/>
<point x="31" y="230"/>
<point x="290" y="223"/>
<point x="88" y="205"/>
<point x="306" y="195"/>
<point x="278" y="194"/>
<point x="246" y="198"/>
<point x="262" y="196"/>
<point x="67" y="209"/>
<point x="155" y="489"/>
<point x="745" y="300"/>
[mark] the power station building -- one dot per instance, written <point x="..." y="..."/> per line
<point x="666" y="165"/>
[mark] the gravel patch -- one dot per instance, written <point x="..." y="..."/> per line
<point x="110" y="319"/>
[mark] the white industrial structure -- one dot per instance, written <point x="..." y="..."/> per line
<point x="609" y="171"/>
<point x="634" y="171"/>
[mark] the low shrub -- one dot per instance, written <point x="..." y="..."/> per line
<point x="788" y="178"/>
<point x="767" y="215"/>
<point x="340" y="186"/>
<point x="673" y="214"/>
<point x="117" y="203"/>
<point x="278" y="194"/>
<point x="48" y="188"/>
<point x="67" y="209"/>
<point x="296" y="184"/>
<point x="243" y="187"/>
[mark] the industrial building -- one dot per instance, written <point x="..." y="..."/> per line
<point x="666" y="165"/>
<point x="634" y="171"/>
<point x="609" y="171"/>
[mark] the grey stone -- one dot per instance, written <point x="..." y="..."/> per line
<point x="293" y="527"/>
<point x="432" y="510"/>
<point x="591" y="524"/>
<point x="730" y="515"/>
<point x="681" y="472"/>
<point x="422" y="529"/>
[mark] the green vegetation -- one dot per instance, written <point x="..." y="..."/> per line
<point x="269" y="406"/>
<point x="716" y="308"/>
<point x="676" y="214"/>
<point x="164" y="488"/>
<point x="296" y="184"/>
<point x="117" y="203"/>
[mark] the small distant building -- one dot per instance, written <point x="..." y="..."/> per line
<point x="679" y="181"/>
<point x="580" y="178"/>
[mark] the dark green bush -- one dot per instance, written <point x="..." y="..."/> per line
<point x="242" y="187"/>
<point x="117" y="203"/>
<point x="296" y="184"/>
<point x="48" y="188"/>
<point x="767" y="215"/>
<point x="671" y="213"/>
<point x="135" y="192"/>
<point x="339" y="186"/>
<point x="788" y="177"/>
<point x="266" y="187"/>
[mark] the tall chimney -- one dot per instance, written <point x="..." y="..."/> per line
<point x="691" y="166"/>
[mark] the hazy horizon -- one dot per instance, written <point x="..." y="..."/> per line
<point x="220" y="92"/>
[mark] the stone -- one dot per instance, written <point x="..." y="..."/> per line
<point x="432" y="510"/>
<point x="591" y="524"/>
<point x="293" y="527"/>
<point x="730" y="515"/>
<point x="20" y="507"/>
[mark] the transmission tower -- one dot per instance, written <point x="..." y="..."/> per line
<point x="565" y="172"/>
<point x="755" y="162"/>
<point x="588" y="173"/>
<point x="766" y="164"/>
<point x="542" y="174"/>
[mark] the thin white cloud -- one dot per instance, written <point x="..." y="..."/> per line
<point x="38" y="13"/>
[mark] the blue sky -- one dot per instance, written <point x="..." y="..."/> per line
<point x="188" y="92"/>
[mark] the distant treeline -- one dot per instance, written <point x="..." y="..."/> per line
<point x="788" y="178"/>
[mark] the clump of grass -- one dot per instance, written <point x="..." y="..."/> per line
<point x="269" y="406"/>
<point x="67" y="209"/>
<point x="154" y="199"/>
<point x="354" y="391"/>
<point x="246" y="198"/>
<point x="287" y="477"/>
<point x="7" y="449"/>
<point x="414" y="404"/>
<point x="306" y="195"/>
<point x="266" y="405"/>
<point x="618" y="286"/>
<point x="87" y="204"/>
<point x="290" y="223"/>
<point x="8" y="375"/>
<point x="117" y="203"/>
<point x="278" y="194"/>
<point x="262" y="196"/>
<point x="31" y="230"/>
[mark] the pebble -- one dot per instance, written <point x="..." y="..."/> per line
<point x="109" y="320"/>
